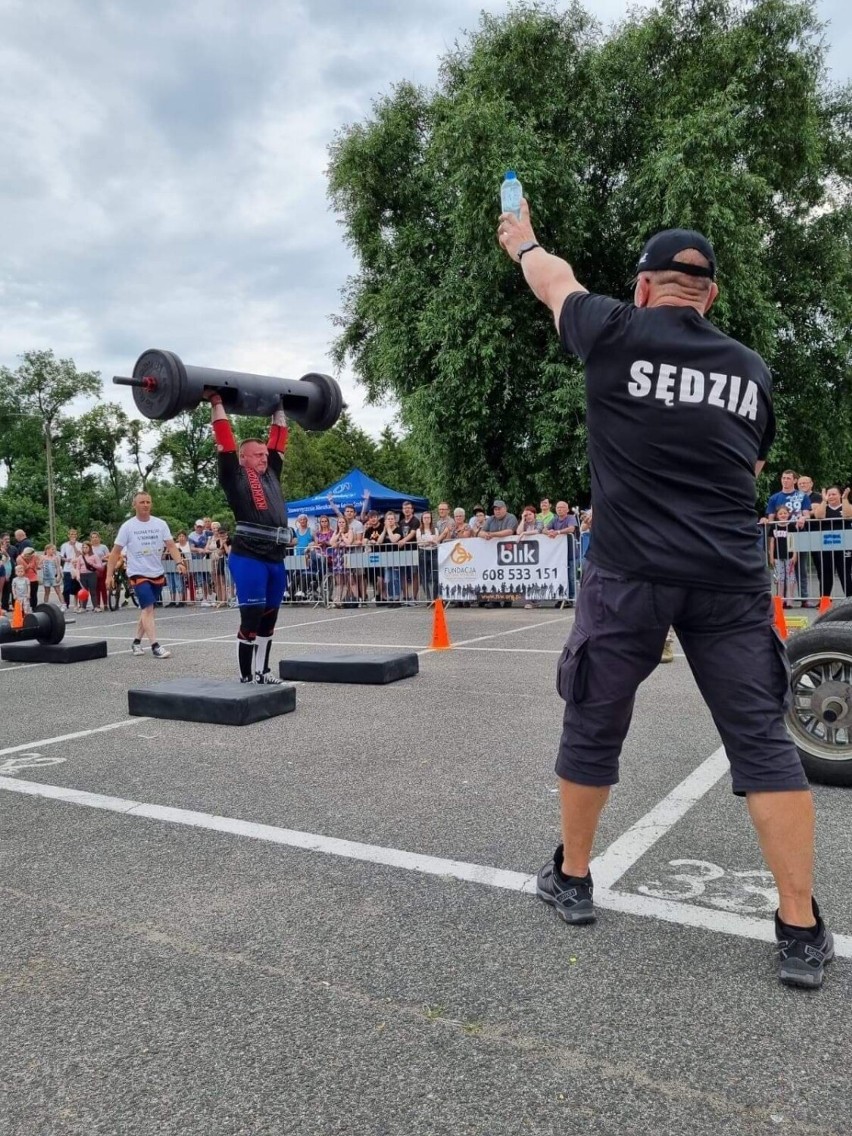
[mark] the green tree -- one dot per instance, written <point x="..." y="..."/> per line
<point x="38" y="391"/>
<point x="186" y="444"/>
<point x="698" y="113"/>
<point x="101" y="434"/>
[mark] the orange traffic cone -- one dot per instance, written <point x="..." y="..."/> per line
<point x="440" y="634"/>
<point x="18" y="616"/>
<point x="780" y="621"/>
<point x="824" y="604"/>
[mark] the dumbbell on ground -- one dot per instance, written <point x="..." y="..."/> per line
<point x="46" y="624"/>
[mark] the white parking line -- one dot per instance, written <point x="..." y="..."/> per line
<point x="722" y="922"/>
<point x="72" y="737"/>
<point x="632" y="845"/>
<point x="230" y="637"/>
<point x="515" y="630"/>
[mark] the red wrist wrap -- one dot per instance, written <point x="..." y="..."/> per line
<point x="277" y="438"/>
<point x="224" y="436"/>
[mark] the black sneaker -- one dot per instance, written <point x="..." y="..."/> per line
<point x="801" y="962"/>
<point x="267" y="679"/>
<point x="247" y="678"/>
<point x="570" y="895"/>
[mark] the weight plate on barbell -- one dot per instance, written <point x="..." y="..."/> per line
<point x="331" y="401"/>
<point x="168" y="398"/>
<point x="54" y="631"/>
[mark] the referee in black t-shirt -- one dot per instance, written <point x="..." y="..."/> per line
<point x="680" y="421"/>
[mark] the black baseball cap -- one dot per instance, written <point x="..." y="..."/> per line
<point x="660" y="251"/>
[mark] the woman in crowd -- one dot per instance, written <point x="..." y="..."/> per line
<point x="427" y="554"/>
<point x="86" y="568"/>
<point x="323" y="535"/>
<point x="29" y="559"/>
<point x="528" y="525"/>
<point x="460" y="529"/>
<point x="100" y="550"/>
<point x="185" y="588"/>
<point x="51" y="573"/>
<point x="216" y="550"/>
<point x="345" y="582"/>
<point x="390" y="538"/>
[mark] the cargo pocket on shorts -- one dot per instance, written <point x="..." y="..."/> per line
<point x="783" y="670"/>
<point x="571" y="669"/>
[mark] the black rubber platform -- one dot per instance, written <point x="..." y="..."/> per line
<point x="375" y="669"/>
<point x="221" y="702"/>
<point x="32" y="652"/>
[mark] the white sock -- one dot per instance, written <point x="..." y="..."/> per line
<point x="261" y="659"/>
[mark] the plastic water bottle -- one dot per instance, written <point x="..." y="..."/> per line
<point x="511" y="192"/>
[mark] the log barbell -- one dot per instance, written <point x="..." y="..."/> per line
<point x="46" y="623"/>
<point x="164" y="386"/>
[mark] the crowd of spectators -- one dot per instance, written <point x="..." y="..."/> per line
<point x="74" y="574"/>
<point x="413" y="578"/>
<point x="801" y="576"/>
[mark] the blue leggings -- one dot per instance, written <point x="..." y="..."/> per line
<point x="257" y="581"/>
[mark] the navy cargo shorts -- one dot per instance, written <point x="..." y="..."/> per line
<point x="738" y="661"/>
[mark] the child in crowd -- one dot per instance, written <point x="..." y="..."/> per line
<point x="782" y="558"/>
<point x="29" y="559"/>
<point x="21" y="587"/>
<point x="51" y="573"/>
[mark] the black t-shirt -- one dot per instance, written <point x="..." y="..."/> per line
<point x="256" y="499"/>
<point x="780" y="534"/>
<point x="409" y="526"/>
<point x="834" y="519"/>
<point x="372" y="532"/>
<point x="677" y="415"/>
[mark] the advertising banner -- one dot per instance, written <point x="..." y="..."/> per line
<point x="533" y="568"/>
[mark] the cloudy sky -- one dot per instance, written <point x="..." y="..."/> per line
<point x="162" y="177"/>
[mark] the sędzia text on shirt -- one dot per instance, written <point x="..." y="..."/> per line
<point x="677" y="415"/>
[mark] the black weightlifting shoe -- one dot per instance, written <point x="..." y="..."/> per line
<point x="802" y="958"/>
<point x="571" y="895"/>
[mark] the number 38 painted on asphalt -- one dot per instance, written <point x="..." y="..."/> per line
<point x="751" y="892"/>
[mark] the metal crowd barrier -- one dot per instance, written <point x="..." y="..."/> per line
<point x="342" y="577"/>
<point x="206" y="583"/>
<point x="810" y="561"/>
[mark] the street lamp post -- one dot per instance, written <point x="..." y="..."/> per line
<point x="51" y="506"/>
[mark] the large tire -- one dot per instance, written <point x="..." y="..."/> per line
<point x="842" y="613"/>
<point x="820" y="716"/>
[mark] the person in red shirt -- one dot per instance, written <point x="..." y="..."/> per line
<point x="250" y="477"/>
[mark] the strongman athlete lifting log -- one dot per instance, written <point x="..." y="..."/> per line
<point x="679" y="420"/>
<point x="250" y="478"/>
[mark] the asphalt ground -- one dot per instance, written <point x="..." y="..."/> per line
<point x="193" y="971"/>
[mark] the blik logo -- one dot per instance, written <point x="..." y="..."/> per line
<point x="517" y="552"/>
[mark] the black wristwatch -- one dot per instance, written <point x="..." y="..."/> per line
<point x="526" y="247"/>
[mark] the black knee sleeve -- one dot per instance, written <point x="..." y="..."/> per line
<point x="251" y="616"/>
<point x="266" y="624"/>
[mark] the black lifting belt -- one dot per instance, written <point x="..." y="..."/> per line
<point x="283" y="535"/>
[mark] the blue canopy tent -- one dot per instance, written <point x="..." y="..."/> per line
<point x="351" y="490"/>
